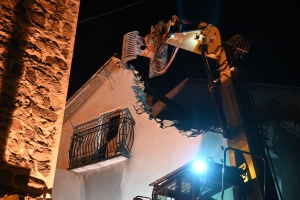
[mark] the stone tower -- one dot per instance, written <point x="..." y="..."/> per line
<point x="36" y="47"/>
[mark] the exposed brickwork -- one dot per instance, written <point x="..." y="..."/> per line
<point x="36" y="48"/>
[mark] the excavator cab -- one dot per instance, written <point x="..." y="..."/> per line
<point x="199" y="180"/>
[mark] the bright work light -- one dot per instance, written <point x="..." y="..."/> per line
<point x="199" y="166"/>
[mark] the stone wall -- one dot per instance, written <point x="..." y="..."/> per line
<point x="36" y="48"/>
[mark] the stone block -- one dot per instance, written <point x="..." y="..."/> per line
<point x="38" y="18"/>
<point x="41" y="154"/>
<point x="44" y="168"/>
<point x="44" y="113"/>
<point x="25" y="181"/>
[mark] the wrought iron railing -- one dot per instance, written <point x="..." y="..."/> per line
<point x="109" y="135"/>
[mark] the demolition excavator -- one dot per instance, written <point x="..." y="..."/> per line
<point x="250" y="174"/>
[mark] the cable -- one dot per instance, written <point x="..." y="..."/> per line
<point x="72" y="123"/>
<point x="212" y="160"/>
<point x="169" y="63"/>
<point x="203" y="138"/>
<point x="111" y="11"/>
<point x="201" y="190"/>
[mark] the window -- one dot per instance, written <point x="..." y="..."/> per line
<point x="108" y="136"/>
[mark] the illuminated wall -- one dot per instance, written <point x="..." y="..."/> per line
<point x="36" y="48"/>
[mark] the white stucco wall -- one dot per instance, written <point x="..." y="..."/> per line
<point x="68" y="185"/>
<point x="155" y="151"/>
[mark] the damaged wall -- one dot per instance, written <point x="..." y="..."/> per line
<point x="36" y="48"/>
<point x="156" y="150"/>
<point x="279" y="110"/>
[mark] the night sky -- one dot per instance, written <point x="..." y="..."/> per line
<point x="272" y="27"/>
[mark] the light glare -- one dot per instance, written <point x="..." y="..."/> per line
<point x="199" y="166"/>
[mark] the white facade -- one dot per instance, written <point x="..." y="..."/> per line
<point x="156" y="151"/>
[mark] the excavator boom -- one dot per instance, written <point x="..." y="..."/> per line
<point x="232" y="97"/>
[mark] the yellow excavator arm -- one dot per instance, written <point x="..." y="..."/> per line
<point x="233" y="101"/>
